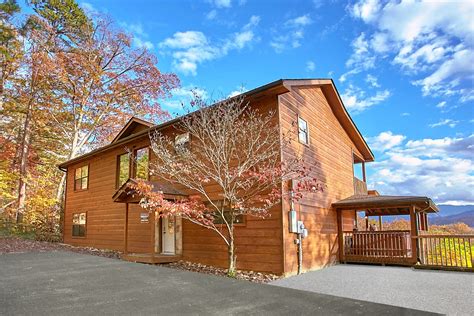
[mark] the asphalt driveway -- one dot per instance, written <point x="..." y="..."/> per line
<point x="63" y="283"/>
<point x="445" y="292"/>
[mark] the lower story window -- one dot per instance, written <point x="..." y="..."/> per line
<point x="227" y="215"/>
<point x="79" y="225"/>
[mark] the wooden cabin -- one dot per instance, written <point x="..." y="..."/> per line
<point x="100" y="213"/>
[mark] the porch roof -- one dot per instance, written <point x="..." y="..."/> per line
<point x="125" y="194"/>
<point x="386" y="204"/>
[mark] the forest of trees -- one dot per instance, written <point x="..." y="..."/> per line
<point x="68" y="81"/>
<point x="404" y="224"/>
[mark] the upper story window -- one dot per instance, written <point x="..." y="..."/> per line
<point x="181" y="142"/>
<point x="142" y="158"/>
<point x="81" y="178"/>
<point x="303" y="133"/>
<point x="123" y="169"/>
<point x="79" y="225"/>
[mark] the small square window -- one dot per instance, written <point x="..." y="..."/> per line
<point x="81" y="178"/>
<point x="303" y="134"/>
<point x="79" y="225"/>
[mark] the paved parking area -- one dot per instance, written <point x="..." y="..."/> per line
<point x="64" y="283"/>
<point x="444" y="292"/>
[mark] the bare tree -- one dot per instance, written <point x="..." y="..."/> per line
<point x="234" y="147"/>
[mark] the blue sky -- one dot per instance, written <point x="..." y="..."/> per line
<point x="404" y="70"/>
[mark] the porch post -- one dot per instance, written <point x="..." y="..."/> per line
<point x="413" y="234"/>
<point x="340" y="235"/>
<point x="125" y="231"/>
<point x="363" y="172"/>
<point x="152" y="229"/>
<point x="380" y="223"/>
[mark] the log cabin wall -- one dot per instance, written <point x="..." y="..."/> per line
<point x="258" y="241"/>
<point x="330" y="154"/>
<point x="105" y="219"/>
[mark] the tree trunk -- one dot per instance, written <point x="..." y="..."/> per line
<point x="23" y="170"/>
<point x="232" y="258"/>
<point x="60" y="192"/>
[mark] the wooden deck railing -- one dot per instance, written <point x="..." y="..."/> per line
<point x="377" y="246"/>
<point x="448" y="251"/>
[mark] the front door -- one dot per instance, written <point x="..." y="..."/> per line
<point x="168" y="234"/>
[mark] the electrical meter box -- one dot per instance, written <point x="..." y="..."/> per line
<point x="292" y="222"/>
<point x="300" y="227"/>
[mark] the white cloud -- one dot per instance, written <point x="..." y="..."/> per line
<point x="299" y="21"/>
<point x="357" y="101"/>
<point x="139" y="35"/>
<point x="441" y="105"/>
<point x="88" y="8"/>
<point x="367" y="10"/>
<point x="211" y="15"/>
<point x="439" y="168"/>
<point x="430" y="40"/>
<point x="361" y="58"/>
<point x="186" y="39"/>
<point x="385" y="140"/>
<point x="448" y="122"/>
<point x="222" y="3"/>
<point x="318" y="3"/>
<point x="310" y="66"/>
<point x="238" y="91"/>
<point x="191" y="48"/>
<point x="290" y="34"/>
<point x="138" y="42"/>
<point x="183" y="95"/>
<point x="372" y="81"/>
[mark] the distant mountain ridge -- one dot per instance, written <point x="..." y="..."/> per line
<point x="450" y="214"/>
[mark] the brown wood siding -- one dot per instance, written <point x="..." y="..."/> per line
<point x="105" y="219"/>
<point x="330" y="155"/>
<point x="258" y="241"/>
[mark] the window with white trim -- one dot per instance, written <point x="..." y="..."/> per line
<point x="303" y="133"/>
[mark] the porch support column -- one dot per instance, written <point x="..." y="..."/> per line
<point x="413" y="234"/>
<point x="380" y="223"/>
<point x="152" y="230"/>
<point x="340" y="235"/>
<point x="125" y="231"/>
<point x="364" y="177"/>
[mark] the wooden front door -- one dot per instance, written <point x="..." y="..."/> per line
<point x="168" y="235"/>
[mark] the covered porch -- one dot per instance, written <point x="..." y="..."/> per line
<point x="400" y="247"/>
<point x="147" y="237"/>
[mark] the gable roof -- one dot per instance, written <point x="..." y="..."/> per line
<point x="131" y="126"/>
<point x="273" y="88"/>
<point x="335" y="101"/>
